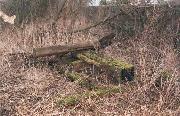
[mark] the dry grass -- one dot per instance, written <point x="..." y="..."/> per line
<point x="35" y="90"/>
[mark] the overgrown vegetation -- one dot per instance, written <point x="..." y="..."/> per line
<point x="96" y="92"/>
<point x="147" y="42"/>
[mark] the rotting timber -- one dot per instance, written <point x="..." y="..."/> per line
<point x="85" y="53"/>
<point x="123" y="70"/>
<point x="61" y="50"/>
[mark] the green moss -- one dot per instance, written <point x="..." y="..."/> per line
<point x="107" y="90"/>
<point x="86" y="83"/>
<point x="92" y="58"/>
<point x="166" y="75"/>
<point x="76" y="62"/>
<point x="125" y="70"/>
<point x="98" y="92"/>
<point x="73" y="76"/>
<point x="68" y="100"/>
<point x="80" y="79"/>
<point x="88" y="60"/>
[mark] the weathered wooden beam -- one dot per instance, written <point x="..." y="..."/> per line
<point x="55" y="50"/>
<point x="125" y="71"/>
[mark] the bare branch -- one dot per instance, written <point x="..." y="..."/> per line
<point x="101" y="22"/>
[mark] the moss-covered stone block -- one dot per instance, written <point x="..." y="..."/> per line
<point x="88" y="59"/>
<point x="126" y="70"/>
<point x="98" y="60"/>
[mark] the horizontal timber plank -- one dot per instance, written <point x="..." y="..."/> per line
<point x="63" y="49"/>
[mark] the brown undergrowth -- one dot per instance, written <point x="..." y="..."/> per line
<point x="43" y="89"/>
